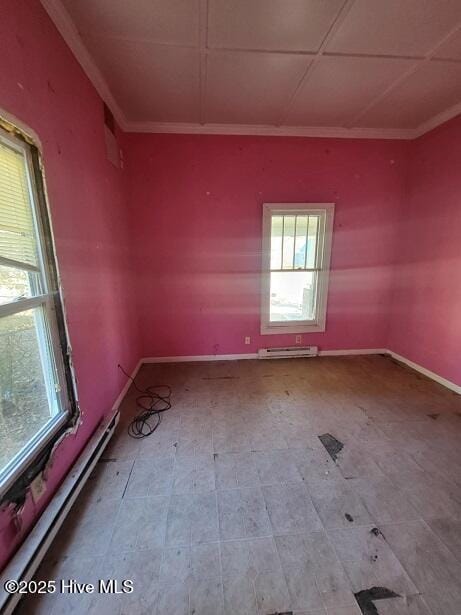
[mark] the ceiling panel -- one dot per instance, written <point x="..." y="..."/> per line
<point x="247" y="88"/>
<point x="150" y="82"/>
<point x="151" y="54"/>
<point x="292" y="25"/>
<point x="433" y="88"/>
<point x="451" y="49"/>
<point x="162" y="21"/>
<point x="395" y="27"/>
<point x="340" y="87"/>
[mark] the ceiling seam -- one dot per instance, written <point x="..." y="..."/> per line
<point x="291" y="52"/>
<point x="411" y="70"/>
<point x="137" y="39"/>
<point x="203" y="68"/>
<point x="71" y="35"/>
<point x="262" y="50"/>
<point x="446" y="60"/>
<point x="369" y="56"/>
<point x="336" y="22"/>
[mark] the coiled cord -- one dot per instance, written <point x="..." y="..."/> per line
<point x="153" y="401"/>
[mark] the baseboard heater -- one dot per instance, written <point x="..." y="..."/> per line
<point x="25" y="562"/>
<point x="288" y="351"/>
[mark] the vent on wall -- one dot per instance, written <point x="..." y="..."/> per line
<point x="287" y="352"/>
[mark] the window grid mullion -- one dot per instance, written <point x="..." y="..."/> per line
<point x="283" y="240"/>
<point x="317" y="242"/>
<point x="300" y="269"/>
<point x="9" y="262"/>
<point x="22" y="305"/>
<point x="317" y="267"/>
<point x="294" y="243"/>
<point x="307" y="240"/>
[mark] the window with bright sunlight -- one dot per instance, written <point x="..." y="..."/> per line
<point x="33" y="394"/>
<point x="296" y="262"/>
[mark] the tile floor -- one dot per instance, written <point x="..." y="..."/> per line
<point x="234" y="507"/>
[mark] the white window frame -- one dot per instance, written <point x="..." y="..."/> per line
<point x="60" y="385"/>
<point x="325" y="211"/>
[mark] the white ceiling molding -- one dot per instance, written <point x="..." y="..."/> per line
<point x="439" y="119"/>
<point x="65" y="25"/>
<point x="69" y="33"/>
<point x="270" y="131"/>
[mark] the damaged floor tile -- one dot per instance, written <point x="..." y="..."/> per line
<point x="332" y="445"/>
<point x="342" y="497"/>
<point x="432" y="566"/>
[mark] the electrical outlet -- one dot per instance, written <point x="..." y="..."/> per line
<point x="298" y="339"/>
<point x="247" y="340"/>
<point x="37" y="487"/>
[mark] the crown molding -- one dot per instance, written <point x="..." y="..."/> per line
<point x="63" y="22"/>
<point x="69" y="32"/>
<point x="269" y="131"/>
<point x="437" y="120"/>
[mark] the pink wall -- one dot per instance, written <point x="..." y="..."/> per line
<point x="42" y="85"/>
<point x="426" y="307"/>
<point x="194" y="225"/>
<point x="198" y="203"/>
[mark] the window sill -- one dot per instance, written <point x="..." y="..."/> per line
<point x="292" y="328"/>
<point x="27" y="455"/>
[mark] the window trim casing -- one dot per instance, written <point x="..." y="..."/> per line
<point x="19" y="469"/>
<point x="319" y="324"/>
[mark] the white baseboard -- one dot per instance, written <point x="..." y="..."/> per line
<point x="353" y="351"/>
<point x="24" y="563"/>
<point x="322" y="353"/>
<point x="252" y="355"/>
<point x="200" y="357"/>
<point x="27" y="559"/>
<point x="426" y="372"/>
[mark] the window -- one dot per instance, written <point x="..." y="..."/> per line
<point x="296" y="262"/>
<point x="34" y="374"/>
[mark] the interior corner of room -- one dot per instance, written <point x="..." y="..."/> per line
<point x="188" y="188"/>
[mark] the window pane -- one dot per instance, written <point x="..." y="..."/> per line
<point x="292" y="295"/>
<point x="17" y="284"/>
<point x="312" y="242"/>
<point x="17" y="234"/>
<point x="288" y="241"/>
<point x="276" y="242"/>
<point x="301" y="241"/>
<point x="27" y="398"/>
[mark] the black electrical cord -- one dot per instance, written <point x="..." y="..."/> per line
<point x="153" y="401"/>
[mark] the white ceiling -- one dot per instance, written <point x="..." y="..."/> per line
<point x="371" y="67"/>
